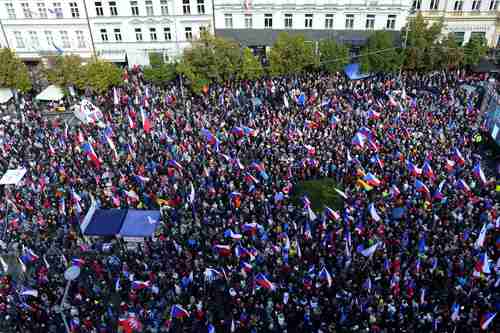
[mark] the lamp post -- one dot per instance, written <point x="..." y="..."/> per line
<point x="90" y="29"/>
<point x="70" y="274"/>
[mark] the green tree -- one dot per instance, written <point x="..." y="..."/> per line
<point x="156" y="59"/>
<point x="210" y="59"/>
<point x="333" y="56"/>
<point x="474" y="50"/>
<point x="291" y="54"/>
<point x="422" y="53"/>
<point x="13" y="72"/>
<point x="251" y="68"/>
<point x="160" y="75"/>
<point x="100" y="75"/>
<point x="65" y="71"/>
<point x="452" y="55"/>
<point x="379" y="54"/>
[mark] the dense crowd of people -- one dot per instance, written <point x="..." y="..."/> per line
<point x="413" y="245"/>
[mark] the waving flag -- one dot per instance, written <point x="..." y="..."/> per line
<point x="130" y="324"/>
<point x="78" y="262"/>
<point x="438" y="195"/>
<point x="449" y="166"/>
<point x="325" y="276"/>
<point x="368" y="252"/>
<point x="131" y="122"/>
<point x="89" y="151"/>
<point x="373" y="115"/>
<point x="208" y="136"/>
<point x="479" y="174"/>
<point x="455" y="312"/>
<point x="413" y="169"/>
<point x="263" y="282"/>
<point x="246" y="266"/>
<point x="421" y="187"/>
<point x="482" y="265"/>
<point x="178" y="312"/>
<point x="230" y="234"/>
<point x="479" y="243"/>
<point x="371" y="179"/>
<point x="373" y="212"/>
<point x="146" y="123"/>
<point x="331" y="214"/>
<point x="376" y="159"/>
<point x="250" y="227"/>
<point x="427" y="170"/>
<point x="462" y="185"/>
<point x="457" y="156"/>
<point x="487" y="319"/>
<point x="29" y="256"/>
<point x="29" y="292"/>
<point x="176" y="165"/>
<point x="139" y="285"/>
<point x="394" y="190"/>
<point x="223" y="250"/>
<point x="359" y="140"/>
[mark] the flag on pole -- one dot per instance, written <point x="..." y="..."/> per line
<point x="368" y="252"/>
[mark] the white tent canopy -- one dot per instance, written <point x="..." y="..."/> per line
<point x="5" y="95"/>
<point x="51" y="93"/>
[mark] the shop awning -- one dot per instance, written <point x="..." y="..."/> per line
<point x="5" y="95"/>
<point x="51" y="93"/>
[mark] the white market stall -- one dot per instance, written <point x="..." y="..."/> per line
<point x="51" y="93"/>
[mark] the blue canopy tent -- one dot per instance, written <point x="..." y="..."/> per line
<point x="123" y="222"/>
<point x="353" y="72"/>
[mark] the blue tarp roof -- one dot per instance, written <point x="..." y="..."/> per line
<point x="106" y="222"/>
<point x="124" y="222"/>
<point x="140" y="223"/>
<point x="353" y="72"/>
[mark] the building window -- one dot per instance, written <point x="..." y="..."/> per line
<point x="49" y="38"/>
<point x="149" y="8"/>
<point x="138" y="34"/>
<point x="478" y="35"/>
<point x="10" y="10"/>
<point x="203" y="29"/>
<point x="98" y="9"/>
<point x="34" y="39"/>
<point x="186" y="7"/>
<point x="73" y="6"/>
<point x="459" y="37"/>
<point x="134" y="8"/>
<point x="164" y="7"/>
<point x="80" y="38"/>
<point x="189" y="33"/>
<point x="288" y="20"/>
<point x="434" y="5"/>
<point x="370" y="21"/>
<point x="391" y="22"/>
<point x="248" y="21"/>
<point x="476" y="4"/>
<point x="152" y="34"/>
<point x="493" y="5"/>
<point x="19" y="39"/>
<point x="42" y="11"/>
<point x="228" y="20"/>
<point x="26" y="10"/>
<point x="57" y="10"/>
<point x="65" y="39"/>
<point x="268" y="21"/>
<point x="349" y="21"/>
<point x="309" y="21"/>
<point x="417" y="4"/>
<point x="118" y="34"/>
<point x="167" y="33"/>
<point x="329" y="21"/>
<point x="201" y="6"/>
<point x="458" y="6"/>
<point x="113" y="10"/>
<point x="104" y="35"/>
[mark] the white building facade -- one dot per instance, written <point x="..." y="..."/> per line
<point x="120" y="31"/>
<point x="464" y="18"/>
<point x="256" y="23"/>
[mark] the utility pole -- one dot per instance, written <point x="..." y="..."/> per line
<point x="405" y="42"/>
<point x="90" y="29"/>
<point x="213" y="16"/>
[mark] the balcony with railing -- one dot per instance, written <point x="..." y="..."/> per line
<point x="470" y="14"/>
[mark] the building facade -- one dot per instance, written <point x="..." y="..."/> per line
<point x="256" y="23"/>
<point x="464" y="18"/>
<point x="120" y="31"/>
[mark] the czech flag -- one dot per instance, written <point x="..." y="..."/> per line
<point x="130" y="324"/>
<point x="457" y="156"/>
<point x="331" y="214"/>
<point x="208" y="136"/>
<point x="421" y="187"/>
<point x="249" y="131"/>
<point x="263" y="282"/>
<point x="482" y="265"/>
<point x="176" y="165"/>
<point x="146" y="123"/>
<point x="325" y="276"/>
<point x="438" y="195"/>
<point x="427" y="170"/>
<point x="238" y="131"/>
<point x="373" y="212"/>
<point x="246" y="266"/>
<point x="178" y="312"/>
<point x="29" y="256"/>
<point x="138" y="285"/>
<point x="371" y="179"/>
<point x="358" y="140"/>
<point x="487" y="319"/>
<point x="479" y="174"/>
<point x="376" y="159"/>
<point x="87" y="148"/>
<point x="223" y="250"/>
<point x="230" y="234"/>
<point x="413" y="169"/>
<point x="373" y="115"/>
<point x="131" y="123"/>
<point x="449" y="165"/>
<point x="250" y="227"/>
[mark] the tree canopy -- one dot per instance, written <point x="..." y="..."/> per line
<point x="380" y="54"/>
<point x="291" y="54"/>
<point x="13" y="72"/>
<point x="333" y="56"/>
